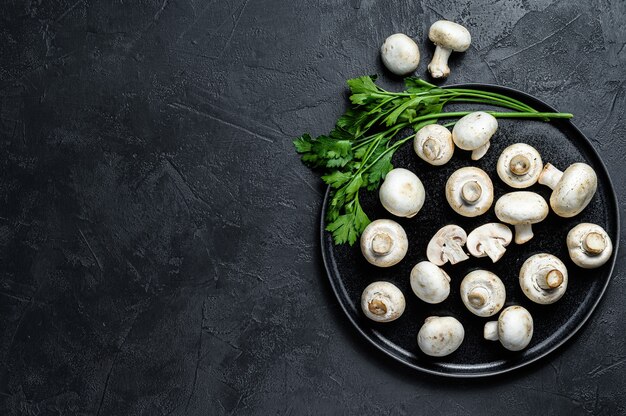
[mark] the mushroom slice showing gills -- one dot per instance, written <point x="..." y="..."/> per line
<point x="543" y="278"/>
<point x="522" y="209"/>
<point x="514" y="328"/>
<point x="469" y="191"/>
<point x="382" y="302"/>
<point x="519" y="165"/>
<point x="572" y="190"/>
<point x="448" y="37"/>
<point x="430" y="283"/>
<point x="440" y="336"/>
<point x="402" y="193"/>
<point x="433" y="144"/>
<point x="589" y="245"/>
<point x="483" y="293"/>
<point x="384" y="243"/>
<point x="473" y="132"/>
<point x="489" y="240"/>
<point x="447" y="246"/>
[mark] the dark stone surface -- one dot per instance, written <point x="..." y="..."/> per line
<point x="158" y="235"/>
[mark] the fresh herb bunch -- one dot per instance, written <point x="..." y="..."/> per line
<point x="357" y="153"/>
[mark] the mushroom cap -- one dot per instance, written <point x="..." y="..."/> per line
<point x="433" y="144"/>
<point x="450" y="237"/>
<point x="430" y="283"/>
<point x="384" y="243"/>
<point x="464" y="196"/>
<point x="519" y="165"/>
<point x="450" y="35"/>
<point x="574" y="191"/>
<point x="589" y="245"/>
<point x="402" y="193"/>
<point x="440" y="336"/>
<point x="515" y="328"/>
<point x="382" y="302"/>
<point x="535" y="273"/>
<point x="483" y="293"/>
<point x="521" y="207"/>
<point x="474" y="130"/>
<point x="400" y="54"/>
<point x="489" y="240"/>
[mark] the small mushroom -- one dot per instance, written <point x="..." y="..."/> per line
<point x="429" y="282"/>
<point x="483" y="293"/>
<point x="519" y="165"/>
<point x="473" y="132"/>
<point x="448" y="37"/>
<point x="402" y="193"/>
<point x="447" y="246"/>
<point x="440" y="336"/>
<point x="433" y="144"/>
<point x="589" y="245"/>
<point x="469" y="191"/>
<point x="400" y="54"/>
<point x="572" y="190"/>
<point x="543" y="278"/>
<point x="489" y="240"/>
<point x="382" y="302"/>
<point x="521" y="209"/>
<point x="514" y="328"/>
<point x="384" y="243"/>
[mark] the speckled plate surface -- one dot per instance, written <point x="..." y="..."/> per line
<point x="560" y="143"/>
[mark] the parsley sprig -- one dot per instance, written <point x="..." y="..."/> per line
<point x="357" y="153"/>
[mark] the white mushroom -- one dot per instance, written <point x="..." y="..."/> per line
<point x="483" y="293"/>
<point x="448" y="37"/>
<point x="469" y="191"/>
<point x="447" y="246"/>
<point x="400" y="54"/>
<point x="489" y="240"/>
<point x="473" y="132"/>
<point x="429" y="282"/>
<point x="519" y="165"/>
<point x="433" y="144"/>
<point x="402" y="193"/>
<point x="522" y="209"/>
<point x="572" y="190"/>
<point x="514" y="328"/>
<point x="543" y="278"/>
<point x="589" y="245"/>
<point x="440" y="336"/>
<point x="382" y="302"/>
<point x="384" y="243"/>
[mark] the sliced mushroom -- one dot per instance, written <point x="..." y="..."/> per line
<point x="400" y="54"/>
<point x="469" y="191"/>
<point x="514" y="328"/>
<point x="429" y="282"/>
<point x="449" y="37"/>
<point x="473" y="132"/>
<point x="519" y="165"/>
<point x="572" y="190"/>
<point x="384" y="243"/>
<point x="402" y="193"/>
<point x="489" y="240"/>
<point x="440" y="336"/>
<point x="433" y="144"/>
<point x="543" y="278"/>
<point x="483" y="293"/>
<point x="447" y="246"/>
<point x="522" y="209"/>
<point x="589" y="245"/>
<point x="382" y="302"/>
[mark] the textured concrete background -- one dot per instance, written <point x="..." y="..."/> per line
<point x="158" y="235"/>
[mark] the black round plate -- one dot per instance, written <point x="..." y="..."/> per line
<point x="560" y="143"/>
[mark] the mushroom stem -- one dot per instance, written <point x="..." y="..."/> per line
<point x="494" y="249"/>
<point x="594" y="243"/>
<point x="523" y="233"/>
<point x="431" y="149"/>
<point x="454" y="252"/>
<point x="381" y="244"/>
<point x="478" y="296"/>
<point x="471" y="192"/>
<point x="480" y="152"/>
<point x="438" y="67"/>
<point x="552" y="280"/>
<point x="550" y="176"/>
<point x="519" y="165"/>
<point x="377" y="307"/>
<point x="491" y="331"/>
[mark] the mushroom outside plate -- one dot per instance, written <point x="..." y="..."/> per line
<point x="349" y="273"/>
